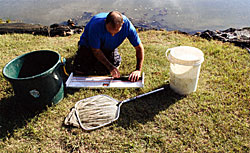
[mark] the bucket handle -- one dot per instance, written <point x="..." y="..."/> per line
<point x="63" y="61"/>
<point x="167" y="52"/>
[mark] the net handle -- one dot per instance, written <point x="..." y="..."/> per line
<point x="142" y="95"/>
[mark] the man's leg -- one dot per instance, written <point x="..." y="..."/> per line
<point x="86" y="63"/>
<point x="116" y="58"/>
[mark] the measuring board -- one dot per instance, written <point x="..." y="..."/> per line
<point x="102" y="82"/>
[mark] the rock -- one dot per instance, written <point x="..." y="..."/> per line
<point x="240" y="37"/>
<point x="59" y="30"/>
<point x="65" y="30"/>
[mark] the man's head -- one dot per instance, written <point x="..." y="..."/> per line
<point x="114" y="22"/>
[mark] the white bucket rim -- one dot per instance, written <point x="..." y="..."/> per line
<point x="170" y="56"/>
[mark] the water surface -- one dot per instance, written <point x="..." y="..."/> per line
<point x="184" y="15"/>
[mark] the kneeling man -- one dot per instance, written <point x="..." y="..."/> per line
<point x="98" y="46"/>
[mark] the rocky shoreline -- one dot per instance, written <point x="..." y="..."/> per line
<point x="239" y="37"/>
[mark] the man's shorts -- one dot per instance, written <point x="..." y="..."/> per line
<point x="85" y="63"/>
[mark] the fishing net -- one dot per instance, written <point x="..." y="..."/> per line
<point x="97" y="111"/>
<point x="93" y="112"/>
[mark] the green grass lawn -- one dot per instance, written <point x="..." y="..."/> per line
<point x="215" y="118"/>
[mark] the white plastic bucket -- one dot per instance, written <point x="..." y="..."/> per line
<point x="185" y="63"/>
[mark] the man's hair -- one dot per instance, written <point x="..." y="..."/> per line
<point x="115" y="18"/>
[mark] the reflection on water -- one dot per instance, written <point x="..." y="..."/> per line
<point x="184" y="15"/>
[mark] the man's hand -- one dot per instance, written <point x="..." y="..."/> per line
<point x="101" y="57"/>
<point x="115" y="72"/>
<point x="134" y="76"/>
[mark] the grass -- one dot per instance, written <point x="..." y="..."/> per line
<point x="215" y="118"/>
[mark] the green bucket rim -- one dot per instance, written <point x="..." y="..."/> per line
<point x="47" y="72"/>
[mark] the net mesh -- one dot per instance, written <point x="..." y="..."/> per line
<point x="96" y="111"/>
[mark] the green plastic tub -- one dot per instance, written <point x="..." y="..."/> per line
<point x="36" y="77"/>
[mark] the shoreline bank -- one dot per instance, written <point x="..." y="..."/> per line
<point x="239" y="37"/>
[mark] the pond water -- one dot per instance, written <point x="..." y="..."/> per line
<point x="185" y="15"/>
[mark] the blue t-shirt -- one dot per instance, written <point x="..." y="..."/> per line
<point x="96" y="35"/>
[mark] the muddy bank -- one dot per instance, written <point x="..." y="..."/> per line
<point x="53" y="30"/>
<point x="23" y="28"/>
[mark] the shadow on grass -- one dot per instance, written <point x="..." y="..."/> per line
<point x="144" y="109"/>
<point x="15" y="114"/>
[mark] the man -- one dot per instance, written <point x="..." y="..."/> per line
<point x="98" y="53"/>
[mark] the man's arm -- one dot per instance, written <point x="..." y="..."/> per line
<point x="101" y="57"/>
<point x="135" y="75"/>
